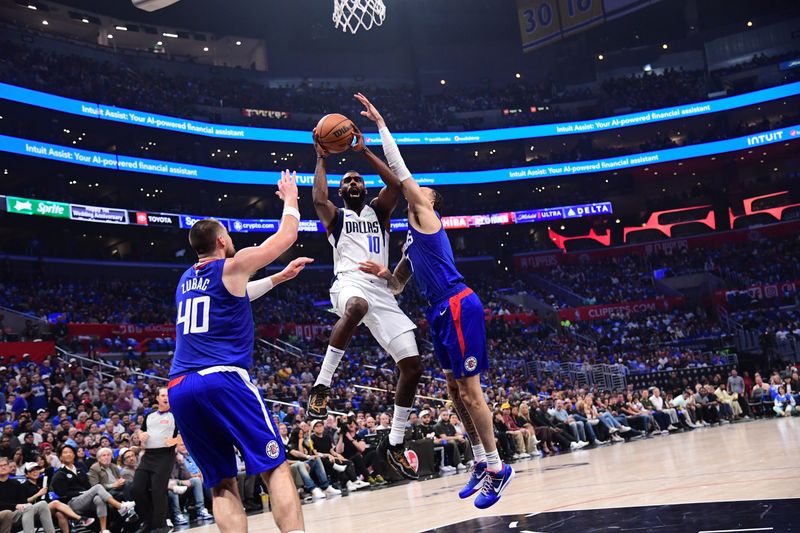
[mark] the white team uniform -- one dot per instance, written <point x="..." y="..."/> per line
<point x="355" y="239"/>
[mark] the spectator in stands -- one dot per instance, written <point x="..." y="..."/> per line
<point x="336" y="466"/>
<point x="525" y="440"/>
<point x="707" y="404"/>
<point x="662" y="419"/>
<point x="353" y="449"/>
<point x="298" y="450"/>
<point x="785" y="404"/>
<point x="105" y="473"/>
<point x="736" y="387"/>
<point x="541" y="418"/>
<point x="685" y="405"/>
<point x="33" y="490"/>
<point x="73" y="488"/>
<point x="727" y="403"/>
<point x="662" y="405"/>
<point x="568" y="422"/>
<point x="455" y="445"/>
<point x="13" y="497"/>
<point x="183" y="478"/>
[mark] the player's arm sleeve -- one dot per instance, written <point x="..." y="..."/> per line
<point x="258" y="288"/>
<point x="393" y="157"/>
<point x="144" y="424"/>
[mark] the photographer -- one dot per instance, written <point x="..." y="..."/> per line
<point x="355" y="450"/>
<point x="336" y="466"/>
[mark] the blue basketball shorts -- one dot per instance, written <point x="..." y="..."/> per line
<point x="217" y="409"/>
<point x="458" y="332"/>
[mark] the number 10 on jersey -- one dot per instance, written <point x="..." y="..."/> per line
<point x="193" y="314"/>
<point x="374" y="244"/>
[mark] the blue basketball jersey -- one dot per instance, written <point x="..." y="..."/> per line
<point x="213" y="327"/>
<point x="433" y="264"/>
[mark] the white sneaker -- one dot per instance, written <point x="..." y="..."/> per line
<point x="524" y="455"/>
<point x="317" y="494"/>
<point x="613" y="430"/>
<point x="624" y="429"/>
<point x="105" y="531"/>
<point x="617" y="438"/>
<point x="461" y="468"/>
<point x="671" y="427"/>
<point x="126" y="507"/>
<point x="515" y="456"/>
<point x="339" y="467"/>
<point x="332" y="491"/>
<point x="601" y="442"/>
<point x="169" y="523"/>
<point x="361" y="484"/>
<point x="447" y="470"/>
<point x="575" y="446"/>
<point x="665" y="432"/>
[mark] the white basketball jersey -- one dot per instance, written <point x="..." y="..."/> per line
<point x="358" y="238"/>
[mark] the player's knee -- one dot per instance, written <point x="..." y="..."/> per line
<point x="356" y="309"/>
<point x="411" y="368"/>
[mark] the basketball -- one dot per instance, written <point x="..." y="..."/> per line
<point x="335" y="133"/>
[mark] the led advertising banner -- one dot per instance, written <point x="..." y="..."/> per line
<point x="221" y="131"/>
<point x="165" y="168"/>
<point x="109" y="215"/>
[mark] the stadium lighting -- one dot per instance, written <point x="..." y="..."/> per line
<point x="518" y="75"/>
<point x="205" y="49"/>
<point x="110" y="36"/>
<point x="442" y="82"/>
<point x="665" y="46"/>
<point x="171" y="35"/>
<point x="160" y="43"/>
<point x="31" y="6"/>
<point x="601" y="57"/>
<point x="45" y="23"/>
<point x="238" y="43"/>
<point x="85" y="21"/>
<point x="749" y="23"/>
<point x="121" y="28"/>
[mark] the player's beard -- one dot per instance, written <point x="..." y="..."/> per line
<point x="230" y="251"/>
<point x="355" y="203"/>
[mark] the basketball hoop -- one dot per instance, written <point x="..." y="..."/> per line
<point x="355" y="14"/>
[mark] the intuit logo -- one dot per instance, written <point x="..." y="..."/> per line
<point x="764" y="138"/>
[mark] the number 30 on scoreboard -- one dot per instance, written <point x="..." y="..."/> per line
<point x="543" y="21"/>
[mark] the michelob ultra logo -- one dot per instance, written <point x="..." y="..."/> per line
<point x="28" y="206"/>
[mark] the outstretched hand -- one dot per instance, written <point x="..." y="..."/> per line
<point x="295" y="267"/>
<point x="370" y="111"/>
<point x="287" y="186"/>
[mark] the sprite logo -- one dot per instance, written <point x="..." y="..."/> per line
<point x="28" y="206"/>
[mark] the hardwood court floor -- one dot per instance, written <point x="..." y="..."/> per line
<point x="747" y="461"/>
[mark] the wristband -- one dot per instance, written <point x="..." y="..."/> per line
<point x="289" y="211"/>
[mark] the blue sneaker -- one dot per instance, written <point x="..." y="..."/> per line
<point x="477" y="473"/>
<point x="493" y="486"/>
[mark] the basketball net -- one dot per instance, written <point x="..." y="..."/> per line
<point x="355" y="14"/>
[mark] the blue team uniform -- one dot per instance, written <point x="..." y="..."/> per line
<point x="215" y="404"/>
<point x="456" y="318"/>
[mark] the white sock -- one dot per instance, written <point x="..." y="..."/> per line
<point x="329" y="365"/>
<point x="479" y="453"/>
<point x="398" y="433"/>
<point x="493" y="463"/>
